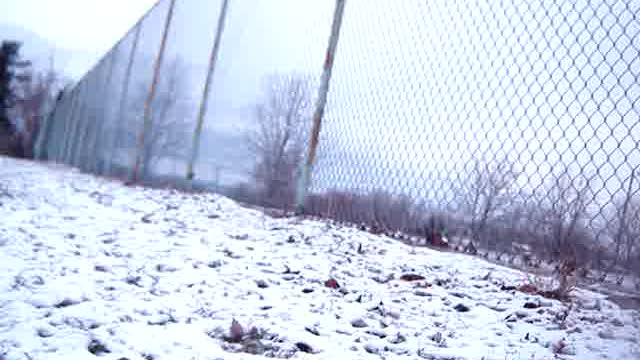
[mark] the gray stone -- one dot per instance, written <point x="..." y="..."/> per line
<point x="359" y="323"/>
<point x="44" y="332"/>
<point x="399" y="338"/>
<point x="371" y="349"/>
<point x="375" y="332"/>
<point x="607" y="335"/>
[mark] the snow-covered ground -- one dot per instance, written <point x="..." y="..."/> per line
<point x="90" y="268"/>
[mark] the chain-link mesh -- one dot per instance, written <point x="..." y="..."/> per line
<point x="515" y="121"/>
<point x="499" y="122"/>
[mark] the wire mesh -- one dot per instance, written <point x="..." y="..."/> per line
<point x="496" y="122"/>
<point x="261" y="99"/>
<point x="179" y="90"/>
<point x="514" y="120"/>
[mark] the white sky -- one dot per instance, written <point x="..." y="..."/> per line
<point x="93" y="25"/>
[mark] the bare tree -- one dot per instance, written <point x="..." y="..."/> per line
<point x="385" y="212"/>
<point x="563" y="217"/>
<point x="625" y="225"/>
<point x="13" y="71"/>
<point x="632" y="245"/>
<point x="487" y="193"/>
<point x="170" y="125"/>
<point x="277" y="141"/>
<point x="380" y="212"/>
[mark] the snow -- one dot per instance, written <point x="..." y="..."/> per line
<point x="132" y="273"/>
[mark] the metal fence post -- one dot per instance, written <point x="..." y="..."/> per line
<point x="56" y="146"/>
<point x="71" y="127"/>
<point x="323" y="90"/>
<point x="59" y="150"/>
<point x="84" y="126"/>
<point x="195" y="147"/>
<point x="152" y="93"/>
<point x="44" y="132"/>
<point x="97" y="148"/>
<point x="94" y="131"/>
<point x="46" y="118"/>
<point x="124" y="97"/>
<point x="48" y="136"/>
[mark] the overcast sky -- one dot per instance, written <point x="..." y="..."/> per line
<point x="87" y="26"/>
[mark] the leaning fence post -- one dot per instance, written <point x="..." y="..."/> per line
<point x="305" y="179"/>
<point x="97" y="147"/>
<point x="72" y="125"/>
<point x="56" y="141"/>
<point x="63" y="129"/>
<point x="84" y="123"/>
<point x="94" y="132"/>
<point x="49" y="142"/>
<point x="195" y="147"/>
<point x="152" y="93"/>
<point x="44" y="132"/>
<point x="123" y="97"/>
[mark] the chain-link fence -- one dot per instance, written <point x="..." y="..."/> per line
<point x="504" y="123"/>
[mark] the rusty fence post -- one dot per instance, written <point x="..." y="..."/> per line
<point x="75" y="123"/>
<point x="195" y="147"/>
<point x="124" y="95"/>
<point x="84" y="123"/>
<point x="147" y="120"/>
<point x="46" y="116"/>
<point x="70" y="128"/>
<point x="304" y="181"/>
<point x="59" y="139"/>
<point x="98" y="142"/>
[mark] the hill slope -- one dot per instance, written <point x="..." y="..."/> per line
<point x="89" y="266"/>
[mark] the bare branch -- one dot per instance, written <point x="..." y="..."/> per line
<point x="169" y="133"/>
<point x="277" y="142"/>
<point x="487" y="194"/>
<point x="562" y="217"/>
<point x="624" y="226"/>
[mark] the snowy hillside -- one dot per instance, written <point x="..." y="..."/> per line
<point x="90" y="268"/>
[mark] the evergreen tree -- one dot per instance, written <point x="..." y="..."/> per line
<point x="10" y="62"/>
<point x="9" y="52"/>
